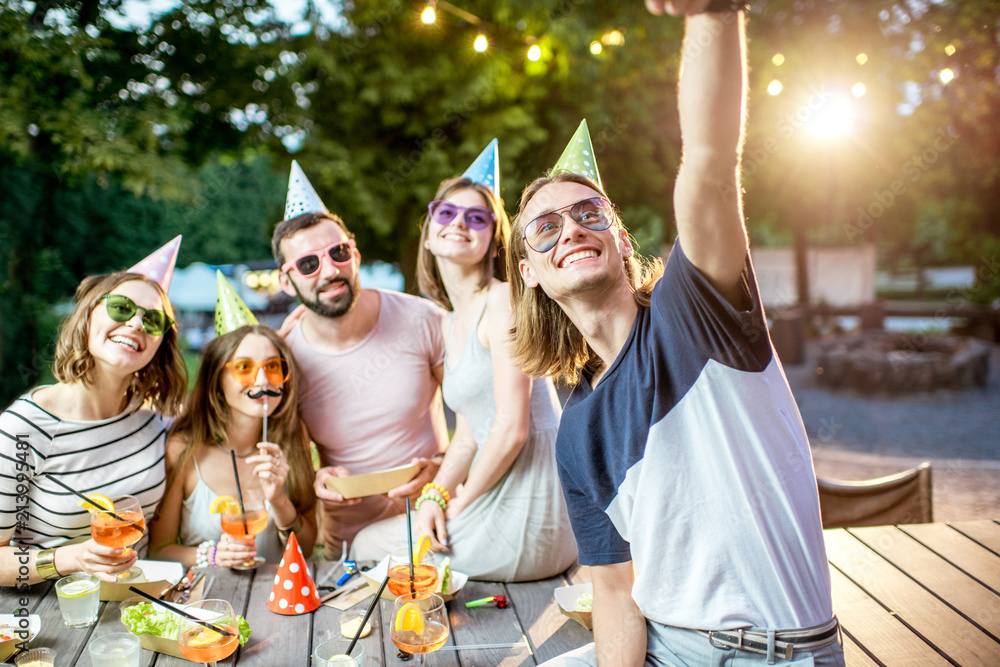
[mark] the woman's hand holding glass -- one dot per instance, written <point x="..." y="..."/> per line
<point x="103" y="562"/>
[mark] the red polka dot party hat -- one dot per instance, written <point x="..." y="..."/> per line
<point x="294" y="591"/>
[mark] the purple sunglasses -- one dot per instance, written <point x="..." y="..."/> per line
<point x="444" y="213"/>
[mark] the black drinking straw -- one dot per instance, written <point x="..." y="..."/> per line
<point x="371" y="608"/>
<point x="180" y="612"/>
<point x="239" y="491"/>
<point x="409" y="539"/>
<point x="112" y="513"/>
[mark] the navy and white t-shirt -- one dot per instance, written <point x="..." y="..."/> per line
<point x="690" y="459"/>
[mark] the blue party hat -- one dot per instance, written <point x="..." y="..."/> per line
<point x="486" y="169"/>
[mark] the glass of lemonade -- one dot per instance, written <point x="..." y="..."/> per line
<point x="333" y="653"/>
<point x="79" y="599"/>
<point x="118" y="649"/>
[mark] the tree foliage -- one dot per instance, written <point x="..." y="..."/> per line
<point x="114" y="139"/>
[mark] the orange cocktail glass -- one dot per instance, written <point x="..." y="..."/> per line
<point x="420" y="623"/>
<point x="425" y="574"/>
<point x="200" y="644"/>
<point x="246" y="526"/>
<point x="111" y="531"/>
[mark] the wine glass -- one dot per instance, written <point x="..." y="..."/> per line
<point x="419" y="624"/>
<point x="245" y="526"/>
<point x="198" y="643"/>
<point x="425" y="574"/>
<point x="111" y="531"/>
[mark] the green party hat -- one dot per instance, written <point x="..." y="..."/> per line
<point x="230" y="311"/>
<point x="578" y="157"/>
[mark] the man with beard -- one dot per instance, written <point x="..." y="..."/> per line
<point x="373" y="362"/>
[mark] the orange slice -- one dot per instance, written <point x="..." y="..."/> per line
<point x="224" y="505"/>
<point x="423" y="546"/>
<point x="97" y="504"/>
<point x="409" y="617"/>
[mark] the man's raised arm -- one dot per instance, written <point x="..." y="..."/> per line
<point x="712" y="103"/>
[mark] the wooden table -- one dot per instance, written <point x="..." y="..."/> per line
<point x="924" y="595"/>
<point x="287" y="641"/>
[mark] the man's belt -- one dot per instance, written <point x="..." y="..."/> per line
<point x="776" y="643"/>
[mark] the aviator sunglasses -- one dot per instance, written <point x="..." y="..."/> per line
<point x="245" y="370"/>
<point x="309" y="263"/>
<point x="542" y="233"/>
<point x="122" y="309"/>
<point x="444" y="213"/>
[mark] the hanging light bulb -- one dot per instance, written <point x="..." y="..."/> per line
<point x="481" y="43"/>
<point x="596" y="48"/>
<point x="535" y="53"/>
<point x="428" y="16"/>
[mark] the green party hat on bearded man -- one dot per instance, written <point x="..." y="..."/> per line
<point x="230" y="311"/>
<point x="302" y="198"/>
<point x="578" y="157"/>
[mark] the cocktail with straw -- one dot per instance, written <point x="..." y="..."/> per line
<point x="420" y="624"/>
<point x="244" y="517"/>
<point x="112" y="525"/>
<point x="198" y="642"/>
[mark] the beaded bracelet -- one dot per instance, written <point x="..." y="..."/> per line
<point x="211" y="558"/>
<point x="434" y="486"/>
<point x="440" y="501"/>
<point x="201" y="558"/>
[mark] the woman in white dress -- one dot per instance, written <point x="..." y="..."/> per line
<point x="495" y="507"/>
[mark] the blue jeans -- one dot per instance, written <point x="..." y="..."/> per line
<point x="676" y="647"/>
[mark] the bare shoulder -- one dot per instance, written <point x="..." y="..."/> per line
<point x="176" y="445"/>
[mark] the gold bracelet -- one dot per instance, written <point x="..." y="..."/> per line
<point x="45" y="564"/>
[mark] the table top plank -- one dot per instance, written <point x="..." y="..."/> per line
<point x="273" y="634"/>
<point x="549" y="632"/>
<point x="938" y="623"/>
<point x="975" y="601"/>
<point x="487" y="625"/>
<point x="966" y="554"/>
<point x="986" y="532"/>
<point x="867" y="624"/>
<point x="326" y="619"/>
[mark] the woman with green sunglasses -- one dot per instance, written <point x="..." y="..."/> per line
<point x="99" y="430"/>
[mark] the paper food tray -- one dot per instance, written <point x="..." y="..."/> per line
<point x="379" y="572"/>
<point x="7" y="648"/>
<point x="160" y="575"/>
<point x="373" y="483"/>
<point x="566" y="597"/>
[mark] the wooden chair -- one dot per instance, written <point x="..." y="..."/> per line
<point x="901" y="498"/>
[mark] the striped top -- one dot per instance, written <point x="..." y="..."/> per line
<point x="123" y="455"/>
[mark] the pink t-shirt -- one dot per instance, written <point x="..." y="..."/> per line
<point x="368" y="408"/>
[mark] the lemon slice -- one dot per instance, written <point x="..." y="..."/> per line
<point x="350" y="628"/>
<point x="411" y="618"/>
<point x="224" y="505"/>
<point x="423" y="546"/>
<point x="76" y="589"/>
<point x="204" y="638"/>
<point x="97" y="504"/>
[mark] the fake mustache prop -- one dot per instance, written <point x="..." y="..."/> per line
<point x="265" y="392"/>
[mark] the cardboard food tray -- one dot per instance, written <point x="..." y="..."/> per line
<point x="9" y="647"/>
<point x="378" y="573"/>
<point x="169" y="646"/>
<point x="566" y="597"/>
<point x="160" y="575"/>
<point x="373" y="483"/>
